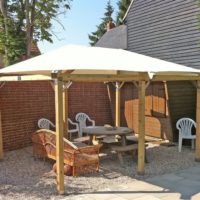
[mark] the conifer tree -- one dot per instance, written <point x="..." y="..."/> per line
<point x="101" y="28"/>
<point x="123" y="5"/>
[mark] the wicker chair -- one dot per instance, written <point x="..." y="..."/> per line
<point x="81" y="157"/>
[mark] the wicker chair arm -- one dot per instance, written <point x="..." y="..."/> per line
<point x="65" y="150"/>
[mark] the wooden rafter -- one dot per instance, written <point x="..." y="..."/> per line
<point x="104" y="78"/>
<point x="176" y="77"/>
<point x="25" y="78"/>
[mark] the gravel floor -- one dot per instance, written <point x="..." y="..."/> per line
<point x="22" y="177"/>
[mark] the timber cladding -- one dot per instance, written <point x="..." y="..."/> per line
<point x="168" y="30"/>
<point x="157" y="120"/>
<point x="182" y="102"/>
<point x="23" y="103"/>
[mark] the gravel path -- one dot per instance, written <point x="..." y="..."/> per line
<point x="22" y="177"/>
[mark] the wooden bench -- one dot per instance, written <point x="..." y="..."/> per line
<point x="128" y="148"/>
<point x="84" y="139"/>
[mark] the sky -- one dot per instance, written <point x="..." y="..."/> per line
<point x="79" y="21"/>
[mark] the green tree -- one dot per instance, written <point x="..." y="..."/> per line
<point x="25" y="21"/>
<point x="101" y="28"/>
<point x="123" y="5"/>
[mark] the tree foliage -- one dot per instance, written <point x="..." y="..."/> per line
<point x="122" y="7"/>
<point x="25" y="21"/>
<point x="101" y="28"/>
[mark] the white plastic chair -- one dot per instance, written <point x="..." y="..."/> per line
<point x="47" y="124"/>
<point x="74" y="130"/>
<point x="185" y="125"/>
<point x="82" y="119"/>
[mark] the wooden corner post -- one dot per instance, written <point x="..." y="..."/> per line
<point x="141" y="128"/>
<point x="59" y="136"/>
<point x="65" y="112"/>
<point x="1" y="139"/>
<point x="118" y="86"/>
<point x="197" y="149"/>
<point x="117" y="104"/>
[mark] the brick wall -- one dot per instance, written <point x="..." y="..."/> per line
<point x="23" y="103"/>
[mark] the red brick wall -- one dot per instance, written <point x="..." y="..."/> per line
<point x="23" y="103"/>
<point x="90" y="98"/>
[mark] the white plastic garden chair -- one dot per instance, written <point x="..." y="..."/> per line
<point x="47" y="124"/>
<point x="82" y="119"/>
<point x="185" y="125"/>
<point x="74" y="130"/>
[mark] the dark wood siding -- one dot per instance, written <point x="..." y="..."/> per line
<point x="182" y="101"/>
<point x="167" y="30"/>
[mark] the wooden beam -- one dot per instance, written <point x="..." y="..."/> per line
<point x="102" y="72"/>
<point x="59" y="136"/>
<point x="117" y="104"/>
<point x="65" y="112"/>
<point x="25" y="78"/>
<point x="177" y="77"/>
<point x="1" y="139"/>
<point x="197" y="150"/>
<point x="141" y="128"/>
<point x="104" y="78"/>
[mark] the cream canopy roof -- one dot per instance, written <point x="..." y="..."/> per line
<point x="101" y="60"/>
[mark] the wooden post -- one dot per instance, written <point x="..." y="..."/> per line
<point x="65" y="112"/>
<point x="141" y="128"/>
<point x="117" y="104"/>
<point x="197" y="149"/>
<point x="1" y="139"/>
<point x="59" y="136"/>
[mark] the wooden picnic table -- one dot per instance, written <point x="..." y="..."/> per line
<point x="102" y="130"/>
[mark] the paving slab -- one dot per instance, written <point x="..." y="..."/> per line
<point x="183" y="184"/>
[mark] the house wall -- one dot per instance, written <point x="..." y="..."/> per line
<point x="23" y="103"/>
<point x="168" y="30"/>
<point x="182" y="101"/>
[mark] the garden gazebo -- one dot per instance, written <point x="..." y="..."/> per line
<point x="95" y="64"/>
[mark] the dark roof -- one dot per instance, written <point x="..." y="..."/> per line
<point x="114" y="38"/>
<point x="168" y="30"/>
